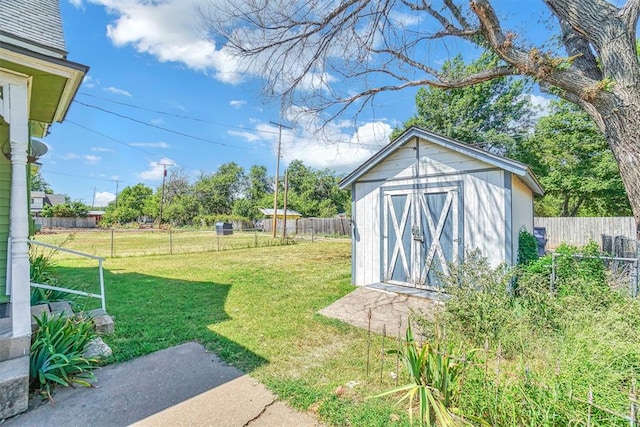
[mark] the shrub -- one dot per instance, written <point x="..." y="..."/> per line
<point x="480" y="304"/>
<point x="527" y="247"/>
<point x="57" y="349"/>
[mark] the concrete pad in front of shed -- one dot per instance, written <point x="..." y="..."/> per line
<point x="389" y="310"/>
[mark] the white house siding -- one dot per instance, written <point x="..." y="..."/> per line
<point x="522" y="211"/>
<point x="483" y="202"/>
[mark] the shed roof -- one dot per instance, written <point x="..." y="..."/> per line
<point x="33" y="21"/>
<point x="269" y="212"/>
<point x="520" y="169"/>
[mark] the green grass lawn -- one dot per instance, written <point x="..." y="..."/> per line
<point x="126" y="243"/>
<point x="255" y="308"/>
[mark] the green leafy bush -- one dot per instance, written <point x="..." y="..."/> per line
<point x="481" y="303"/>
<point x="57" y="349"/>
<point x="527" y="247"/>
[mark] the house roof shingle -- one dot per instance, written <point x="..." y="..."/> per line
<point x="35" y="21"/>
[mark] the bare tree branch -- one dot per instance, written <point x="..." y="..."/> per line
<point x="630" y="12"/>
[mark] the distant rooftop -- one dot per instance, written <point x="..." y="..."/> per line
<point x="32" y="21"/>
<point x="269" y="212"/>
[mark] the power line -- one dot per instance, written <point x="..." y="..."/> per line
<point x="180" y="116"/>
<point x="142" y="122"/>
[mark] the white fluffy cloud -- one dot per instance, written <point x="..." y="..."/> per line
<point x="169" y="31"/>
<point x="237" y="103"/>
<point x="103" y="198"/>
<point x="117" y="91"/>
<point x="337" y="146"/>
<point x="159" y="144"/>
<point x="155" y="170"/>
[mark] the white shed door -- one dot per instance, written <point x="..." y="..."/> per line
<point x="420" y="235"/>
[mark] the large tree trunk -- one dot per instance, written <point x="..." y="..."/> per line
<point x="622" y="131"/>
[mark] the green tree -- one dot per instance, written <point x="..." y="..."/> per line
<point x="38" y="183"/>
<point x="495" y="114"/>
<point x="132" y="204"/>
<point x="217" y="192"/>
<point x="315" y="192"/>
<point x="574" y="164"/>
<point x="66" y="210"/>
<point x="259" y="183"/>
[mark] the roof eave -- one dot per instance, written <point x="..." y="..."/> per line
<point x="510" y="165"/>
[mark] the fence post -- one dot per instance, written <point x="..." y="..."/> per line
<point x="170" y="242"/>
<point x="590" y="402"/>
<point x="112" y="243"/>
<point x="553" y="272"/>
<point x="633" y="397"/>
<point x="101" y="275"/>
<point x="255" y="238"/>
<point x="634" y="282"/>
<point x="312" y="231"/>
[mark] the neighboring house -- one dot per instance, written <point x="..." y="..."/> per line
<point x="40" y="199"/>
<point x="37" y="85"/>
<point x="424" y="199"/>
<point x="291" y="214"/>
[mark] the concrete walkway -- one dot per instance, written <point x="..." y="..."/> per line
<point x="180" y="386"/>
<point x="390" y="308"/>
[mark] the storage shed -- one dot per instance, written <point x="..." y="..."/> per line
<point x="424" y="199"/>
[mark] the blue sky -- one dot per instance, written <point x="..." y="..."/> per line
<point x="151" y="68"/>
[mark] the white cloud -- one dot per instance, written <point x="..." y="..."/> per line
<point x="103" y="198"/>
<point x="87" y="82"/>
<point x="90" y="158"/>
<point x="249" y="136"/>
<point x="168" y="30"/>
<point x="77" y="3"/>
<point x="157" y="121"/>
<point x="102" y="149"/>
<point x="156" y="169"/>
<point x="339" y="150"/>
<point x="540" y="105"/>
<point x="337" y="146"/>
<point x="237" y="104"/>
<point x="70" y="156"/>
<point x="117" y="91"/>
<point x="159" y="144"/>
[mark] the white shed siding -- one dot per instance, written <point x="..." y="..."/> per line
<point x="484" y="213"/>
<point x="494" y="202"/>
<point x="367" y="237"/>
<point x="522" y="211"/>
<point x="483" y="209"/>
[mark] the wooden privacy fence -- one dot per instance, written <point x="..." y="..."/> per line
<point x="88" y="222"/>
<point x="579" y="231"/>
<point x="313" y="226"/>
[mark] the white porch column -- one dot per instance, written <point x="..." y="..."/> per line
<point x="18" y="115"/>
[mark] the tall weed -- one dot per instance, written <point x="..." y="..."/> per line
<point x="547" y="346"/>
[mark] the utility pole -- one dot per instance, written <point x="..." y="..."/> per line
<point x="93" y="201"/>
<point x="117" y="182"/>
<point x="286" y="195"/>
<point x="164" y="176"/>
<point x="275" y="192"/>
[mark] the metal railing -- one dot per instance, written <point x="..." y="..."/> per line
<point x="99" y="296"/>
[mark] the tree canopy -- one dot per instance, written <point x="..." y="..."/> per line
<point x="496" y="113"/>
<point x="229" y="192"/>
<point x="574" y="164"/>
